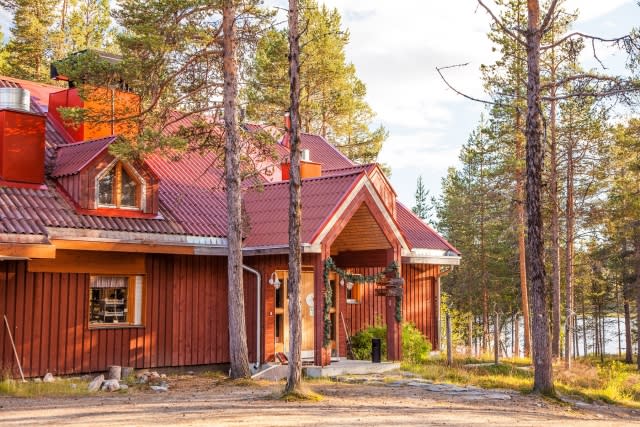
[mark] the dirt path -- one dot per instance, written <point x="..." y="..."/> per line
<point x="202" y="401"/>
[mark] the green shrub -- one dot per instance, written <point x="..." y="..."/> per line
<point x="415" y="347"/>
<point x="361" y="342"/>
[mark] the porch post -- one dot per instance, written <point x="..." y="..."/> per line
<point x="319" y="352"/>
<point x="394" y="328"/>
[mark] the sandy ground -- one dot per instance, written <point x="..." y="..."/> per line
<point x="194" y="400"/>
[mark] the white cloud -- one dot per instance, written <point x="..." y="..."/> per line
<point x="396" y="45"/>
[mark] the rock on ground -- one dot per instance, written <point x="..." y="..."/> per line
<point x="48" y="378"/>
<point x="96" y="383"/>
<point x="110" y="385"/>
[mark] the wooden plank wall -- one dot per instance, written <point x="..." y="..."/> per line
<point x="417" y="303"/>
<point x="185" y="319"/>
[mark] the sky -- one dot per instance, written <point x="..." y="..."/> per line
<point x="396" y="46"/>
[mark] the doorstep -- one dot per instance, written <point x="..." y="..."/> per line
<point x="349" y="367"/>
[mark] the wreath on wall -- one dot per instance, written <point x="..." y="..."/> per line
<point x="330" y="266"/>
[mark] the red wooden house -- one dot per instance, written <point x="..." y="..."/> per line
<point x="107" y="262"/>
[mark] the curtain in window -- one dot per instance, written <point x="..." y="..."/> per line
<point x="109" y="282"/>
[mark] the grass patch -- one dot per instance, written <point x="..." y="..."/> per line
<point x="300" y="395"/>
<point x="60" y="387"/>
<point x="610" y="381"/>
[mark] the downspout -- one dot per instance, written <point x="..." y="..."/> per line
<point x="258" y="302"/>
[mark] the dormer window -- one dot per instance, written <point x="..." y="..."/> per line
<point x="119" y="187"/>
<point x="97" y="183"/>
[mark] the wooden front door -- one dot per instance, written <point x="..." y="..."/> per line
<point x="307" y="309"/>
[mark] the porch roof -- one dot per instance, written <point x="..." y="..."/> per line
<point x="267" y="208"/>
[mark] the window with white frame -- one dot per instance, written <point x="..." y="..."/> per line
<point x="119" y="186"/>
<point x="115" y="300"/>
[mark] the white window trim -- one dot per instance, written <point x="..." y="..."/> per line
<point x="138" y="305"/>
<point x="136" y="175"/>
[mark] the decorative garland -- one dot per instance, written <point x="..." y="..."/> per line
<point x="330" y="266"/>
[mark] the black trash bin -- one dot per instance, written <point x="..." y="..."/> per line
<point x="376" y="350"/>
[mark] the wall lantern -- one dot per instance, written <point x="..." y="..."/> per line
<point x="274" y="281"/>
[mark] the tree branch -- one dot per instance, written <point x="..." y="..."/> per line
<point x="439" y="70"/>
<point x="500" y="24"/>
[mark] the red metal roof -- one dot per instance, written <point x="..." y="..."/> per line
<point x="191" y="188"/>
<point x="27" y="211"/>
<point x="192" y="197"/>
<point x="39" y="91"/>
<point x="72" y="158"/>
<point x="320" y="151"/>
<point x="268" y="206"/>
<point x="341" y="171"/>
<point x="418" y="233"/>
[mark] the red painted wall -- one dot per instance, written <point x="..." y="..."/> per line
<point x="185" y="319"/>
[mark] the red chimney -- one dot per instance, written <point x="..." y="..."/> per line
<point x="22" y="136"/>
<point x="287" y="121"/>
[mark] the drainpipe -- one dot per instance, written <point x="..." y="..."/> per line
<point x="258" y="302"/>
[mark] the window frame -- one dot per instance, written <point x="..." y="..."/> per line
<point x="135" y="301"/>
<point x="141" y="188"/>
<point x="356" y="292"/>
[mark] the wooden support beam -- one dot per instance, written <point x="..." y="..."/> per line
<point x="27" y="250"/>
<point x="67" y="261"/>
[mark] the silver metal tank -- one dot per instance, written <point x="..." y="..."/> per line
<point x="15" y="98"/>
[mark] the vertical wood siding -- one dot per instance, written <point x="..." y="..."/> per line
<point x="418" y="302"/>
<point x="185" y="319"/>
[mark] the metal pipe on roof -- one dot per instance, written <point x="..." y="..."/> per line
<point x="258" y="302"/>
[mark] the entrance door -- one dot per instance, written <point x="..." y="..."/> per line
<point x="307" y="311"/>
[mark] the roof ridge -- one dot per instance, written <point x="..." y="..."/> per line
<point x="85" y="142"/>
<point x="359" y="165"/>
<point x="31" y="82"/>
<point x="318" y="178"/>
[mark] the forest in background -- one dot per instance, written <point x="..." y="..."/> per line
<point x="590" y="202"/>
<point x="332" y="96"/>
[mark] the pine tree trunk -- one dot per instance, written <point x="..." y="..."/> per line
<point x="628" y="357"/>
<point x="520" y="213"/>
<point x="522" y="255"/>
<point x="584" y="328"/>
<point x="570" y="224"/>
<point x="636" y="259"/>
<point x="618" y="319"/>
<point x="238" y="355"/>
<point x="543" y="382"/>
<point x="516" y="337"/>
<point x="555" y="227"/>
<point x="295" y="210"/>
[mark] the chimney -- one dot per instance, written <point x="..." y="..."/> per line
<point x="287" y="121"/>
<point x="308" y="169"/>
<point x="111" y="103"/>
<point x="22" y="135"/>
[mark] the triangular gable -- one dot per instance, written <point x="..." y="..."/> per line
<point x="363" y="192"/>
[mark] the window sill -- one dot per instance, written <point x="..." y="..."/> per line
<point x="352" y="302"/>
<point x="115" y="326"/>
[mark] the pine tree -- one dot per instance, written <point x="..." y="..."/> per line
<point x="422" y="208"/>
<point x="29" y="47"/>
<point x="88" y="25"/>
<point x="332" y="97"/>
